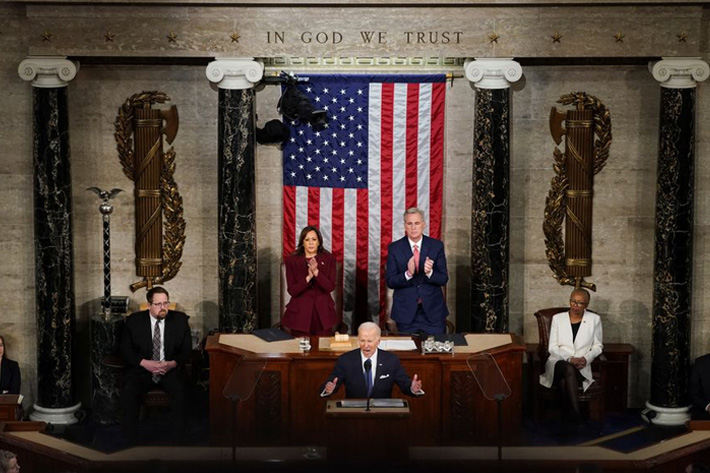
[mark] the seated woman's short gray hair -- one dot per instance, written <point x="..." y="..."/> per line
<point x="5" y="457"/>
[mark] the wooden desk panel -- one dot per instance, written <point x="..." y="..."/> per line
<point x="286" y="409"/>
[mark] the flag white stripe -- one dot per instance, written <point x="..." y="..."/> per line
<point x="349" y="254"/>
<point x="374" y="197"/>
<point x="423" y="149"/>
<point x="301" y="211"/>
<point x="399" y="159"/>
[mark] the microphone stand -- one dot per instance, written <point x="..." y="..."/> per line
<point x="367" y="406"/>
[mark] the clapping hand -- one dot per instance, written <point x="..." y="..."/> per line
<point x="313" y="267"/>
<point x="428" y="266"/>
<point x="411" y="267"/>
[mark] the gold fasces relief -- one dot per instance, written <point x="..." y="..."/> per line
<point x="160" y="226"/>
<point x="571" y="190"/>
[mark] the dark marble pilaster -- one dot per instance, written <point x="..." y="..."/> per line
<point x="237" y="192"/>
<point x="490" y="213"/>
<point x="54" y="269"/>
<point x="673" y="255"/>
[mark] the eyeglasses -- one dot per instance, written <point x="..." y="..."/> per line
<point x="159" y="304"/>
<point x="578" y="303"/>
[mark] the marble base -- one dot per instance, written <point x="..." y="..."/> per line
<point x="105" y="378"/>
<point x="63" y="416"/>
<point x="666" y="415"/>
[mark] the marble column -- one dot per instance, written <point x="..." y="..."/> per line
<point x="236" y="79"/>
<point x="54" y="268"/>
<point x="490" y="210"/>
<point x="673" y="255"/>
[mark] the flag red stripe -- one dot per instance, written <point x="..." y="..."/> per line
<point x="361" y="258"/>
<point x="386" y="143"/>
<point x="289" y="221"/>
<point x="412" y="144"/>
<point x="314" y="206"/>
<point x="338" y="224"/>
<point x="436" y="180"/>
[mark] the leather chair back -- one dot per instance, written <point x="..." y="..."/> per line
<point x="544" y="322"/>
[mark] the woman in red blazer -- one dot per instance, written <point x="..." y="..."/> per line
<point x="310" y="278"/>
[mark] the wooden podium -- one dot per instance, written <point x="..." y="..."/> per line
<point x="286" y="407"/>
<point x="10" y="408"/>
<point x="356" y="433"/>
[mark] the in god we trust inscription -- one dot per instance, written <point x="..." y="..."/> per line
<point x="365" y="37"/>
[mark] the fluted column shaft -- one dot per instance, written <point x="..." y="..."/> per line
<point x="54" y="269"/>
<point x="237" y="192"/>
<point x="673" y="255"/>
<point x="490" y="210"/>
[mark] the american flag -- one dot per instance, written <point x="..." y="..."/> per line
<point x="381" y="152"/>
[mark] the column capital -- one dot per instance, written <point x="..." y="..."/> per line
<point x="235" y="73"/>
<point x="679" y="72"/>
<point x="493" y="73"/>
<point x="47" y="72"/>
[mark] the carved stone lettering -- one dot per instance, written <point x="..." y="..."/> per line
<point x="379" y="37"/>
<point x="433" y="37"/>
<point x="322" y="37"/>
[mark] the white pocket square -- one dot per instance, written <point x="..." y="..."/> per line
<point x="383" y="376"/>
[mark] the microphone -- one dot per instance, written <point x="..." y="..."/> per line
<point x="368" y="378"/>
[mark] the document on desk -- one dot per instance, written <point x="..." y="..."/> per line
<point x="398" y="345"/>
<point x="362" y="403"/>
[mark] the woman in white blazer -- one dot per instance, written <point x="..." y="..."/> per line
<point x="575" y="341"/>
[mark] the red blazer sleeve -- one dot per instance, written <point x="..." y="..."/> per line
<point x="296" y="272"/>
<point x="326" y="272"/>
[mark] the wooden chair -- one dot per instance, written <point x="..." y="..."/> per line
<point x="391" y="326"/>
<point x="593" y="396"/>
<point x="336" y="294"/>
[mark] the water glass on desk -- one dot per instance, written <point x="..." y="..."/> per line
<point x="304" y="343"/>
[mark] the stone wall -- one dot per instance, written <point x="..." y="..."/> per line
<point x="623" y="231"/>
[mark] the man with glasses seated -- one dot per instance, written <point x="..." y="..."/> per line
<point x="575" y="341"/>
<point x="156" y="344"/>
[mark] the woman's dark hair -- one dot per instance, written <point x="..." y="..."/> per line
<point x="4" y="355"/>
<point x="310" y="228"/>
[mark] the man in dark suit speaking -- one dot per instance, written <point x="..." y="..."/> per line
<point x="156" y="344"/>
<point x="369" y="372"/>
<point x="416" y="270"/>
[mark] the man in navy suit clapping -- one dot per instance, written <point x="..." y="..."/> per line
<point x="416" y="270"/>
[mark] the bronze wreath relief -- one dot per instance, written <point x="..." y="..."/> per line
<point x="160" y="227"/>
<point x="572" y="188"/>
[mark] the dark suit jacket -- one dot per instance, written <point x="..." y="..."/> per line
<point x="348" y="369"/>
<point x="10" y="379"/>
<point x="312" y="298"/>
<point x="137" y="340"/>
<point x="406" y="293"/>
<point x="700" y="387"/>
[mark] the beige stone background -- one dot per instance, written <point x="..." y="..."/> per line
<point x="623" y="235"/>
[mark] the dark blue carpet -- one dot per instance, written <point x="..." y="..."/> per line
<point x="643" y="438"/>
